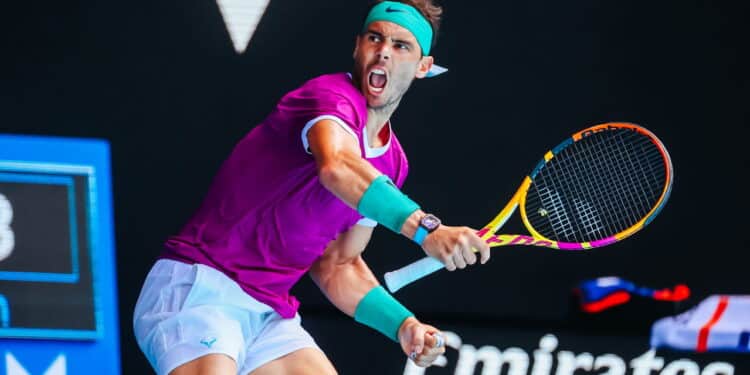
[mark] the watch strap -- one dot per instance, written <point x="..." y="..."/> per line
<point x="420" y="234"/>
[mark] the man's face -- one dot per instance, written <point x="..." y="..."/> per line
<point x="387" y="58"/>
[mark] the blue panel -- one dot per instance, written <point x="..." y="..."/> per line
<point x="63" y="161"/>
<point x="48" y="277"/>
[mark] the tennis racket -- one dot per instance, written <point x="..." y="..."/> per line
<point x="595" y="188"/>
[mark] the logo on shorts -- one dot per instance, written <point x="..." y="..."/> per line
<point x="208" y="341"/>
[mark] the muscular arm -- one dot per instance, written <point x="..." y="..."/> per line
<point x="343" y="171"/>
<point x="345" y="279"/>
<point x="341" y="168"/>
<point x="341" y="273"/>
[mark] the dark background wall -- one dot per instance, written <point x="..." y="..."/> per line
<point x="161" y="81"/>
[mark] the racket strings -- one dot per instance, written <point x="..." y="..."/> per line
<point x="590" y="188"/>
<point x="588" y="221"/>
<point x="596" y="187"/>
<point x="564" y="229"/>
<point x="621" y="184"/>
<point x="641" y="198"/>
<point x="642" y="194"/>
<point x="568" y="229"/>
<point x="616" y="192"/>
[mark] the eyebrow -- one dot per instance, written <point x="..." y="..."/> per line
<point x="402" y="41"/>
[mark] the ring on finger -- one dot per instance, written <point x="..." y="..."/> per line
<point x="439" y="341"/>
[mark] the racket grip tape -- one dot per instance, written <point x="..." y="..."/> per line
<point x="406" y="275"/>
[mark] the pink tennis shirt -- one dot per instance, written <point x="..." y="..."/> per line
<point x="266" y="218"/>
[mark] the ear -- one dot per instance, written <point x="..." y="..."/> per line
<point x="425" y="64"/>
<point x="356" y="46"/>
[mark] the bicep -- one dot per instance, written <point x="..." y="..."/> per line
<point x="349" y="245"/>
<point x="341" y="273"/>
<point x="327" y="138"/>
<point x="344" y="251"/>
<point x="339" y="162"/>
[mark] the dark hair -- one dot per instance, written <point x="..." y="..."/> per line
<point x="431" y="12"/>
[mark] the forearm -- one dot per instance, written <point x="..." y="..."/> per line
<point x="344" y="284"/>
<point x="411" y="223"/>
<point x="355" y="291"/>
<point x="353" y="180"/>
<point x="347" y="177"/>
<point x="343" y="171"/>
<point x="356" y="182"/>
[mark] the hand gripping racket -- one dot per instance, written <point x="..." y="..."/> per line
<point x="595" y="188"/>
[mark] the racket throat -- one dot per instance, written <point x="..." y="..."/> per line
<point x="516" y="239"/>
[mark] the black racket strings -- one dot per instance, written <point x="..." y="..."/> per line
<point x="596" y="187"/>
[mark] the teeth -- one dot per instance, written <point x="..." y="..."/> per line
<point x="379" y="72"/>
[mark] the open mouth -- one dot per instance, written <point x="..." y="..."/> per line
<point x="377" y="80"/>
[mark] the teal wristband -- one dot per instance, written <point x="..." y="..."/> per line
<point x="384" y="203"/>
<point x="379" y="310"/>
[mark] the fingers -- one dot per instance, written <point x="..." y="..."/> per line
<point x="423" y="343"/>
<point x="480" y="245"/>
<point x="450" y="265"/>
<point x="485" y="254"/>
<point x="439" y="340"/>
<point x="417" y="341"/>
<point x="464" y="251"/>
<point x="434" y="347"/>
<point x="458" y="259"/>
<point x="468" y="254"/>
<point x="456" y="247"/>
<point x="432" y="341"/>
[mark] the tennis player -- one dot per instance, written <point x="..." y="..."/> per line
<point x="302" y="192"/>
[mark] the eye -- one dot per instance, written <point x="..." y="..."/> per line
<point x="402" y="46"/>
<point x="373" y="38"/>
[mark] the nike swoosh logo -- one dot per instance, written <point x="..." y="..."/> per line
<point x="394" y="10"/>
<point x="208" y="342"/>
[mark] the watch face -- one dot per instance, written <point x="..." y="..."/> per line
<point x="430" y="222"/>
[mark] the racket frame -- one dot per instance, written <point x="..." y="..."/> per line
<point x="414" y="271"/>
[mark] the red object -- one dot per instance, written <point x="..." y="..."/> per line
<point x="614" y="299"/>
<point x="703" y="334"/>
<point x="679" y="293"/>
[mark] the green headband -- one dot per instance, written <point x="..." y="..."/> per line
<point x="405" y="16"/>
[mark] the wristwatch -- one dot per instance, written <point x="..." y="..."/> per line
<point x="427" y="224"/>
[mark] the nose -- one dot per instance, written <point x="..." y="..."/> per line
<point x="384" y="52"/>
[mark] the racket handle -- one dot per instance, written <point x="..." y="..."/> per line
<point x="406" y="275"/>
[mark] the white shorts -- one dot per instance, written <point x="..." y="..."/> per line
<point x="188" y="311"/>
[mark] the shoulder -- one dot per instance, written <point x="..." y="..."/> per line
<point x="339" y="84"/>
<point x="326" y="92"/>
<point x="328" y="95"/>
